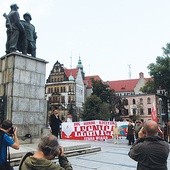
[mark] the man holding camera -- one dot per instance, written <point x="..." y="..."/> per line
<point x="150" y="150"/>
<point x="8" y="137"/>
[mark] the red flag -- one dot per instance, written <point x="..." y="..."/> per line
<point x="154" y="114"/>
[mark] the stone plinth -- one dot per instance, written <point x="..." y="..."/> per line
<point x="22" y="82"/>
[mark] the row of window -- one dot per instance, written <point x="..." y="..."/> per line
<point x="140" y="101"/>
<point x="141" y="112"/>
<point x="59" y="89"/>
<point x="56" y="79"/>
<point x="60" y="99"/>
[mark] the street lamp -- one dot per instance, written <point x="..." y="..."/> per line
<point x="160" y="111"/>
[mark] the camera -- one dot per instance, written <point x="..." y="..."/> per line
<point x="12" y="130"/>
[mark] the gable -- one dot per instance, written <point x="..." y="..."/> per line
<point x="72" y="72"/>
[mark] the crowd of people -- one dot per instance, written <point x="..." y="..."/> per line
<point x="148" y="148"/>
<point x="149" y="143"/>
<point x="134" y="128"/>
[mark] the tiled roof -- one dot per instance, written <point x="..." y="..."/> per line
<point x="87" y="80"/>
<point x="72" y="72"/>
<point x="123" y="85"/>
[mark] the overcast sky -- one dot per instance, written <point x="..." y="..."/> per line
<point x="108" y="35"/>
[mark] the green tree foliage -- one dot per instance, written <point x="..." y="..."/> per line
<point x="109" y="102"/>
<point x="160" y="70"/>
<point x="101" y="90"/>
<point x="160" y="73"/>
<point x="107" y="95"/>
<point x="149" y="87"/>
<point x="95" y="109"/>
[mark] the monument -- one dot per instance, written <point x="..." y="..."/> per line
<point x="22" y="82"/>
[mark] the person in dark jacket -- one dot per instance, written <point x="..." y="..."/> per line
<point x="150" y="151"/>
<point x="130" y="133"/>
<point x="48" y="149"/>
<point x="55" y="123"/>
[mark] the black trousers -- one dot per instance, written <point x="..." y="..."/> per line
<point x="131" y="139"/>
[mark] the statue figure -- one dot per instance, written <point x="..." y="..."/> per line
<point x="29" y="44"/>
<point x="14" y="29"/>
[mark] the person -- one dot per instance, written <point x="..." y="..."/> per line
<point x="48" y="149"/>
<point x="6" y="140"/>
<point x="116" y="133"/>
<point x="150" y="150"/>
<point x="29" y="40"/>
<point x="55" y="122"/>
<point x="138" y="126"/>
<point x="14" y="29"/>
<point x="130" y="133"/>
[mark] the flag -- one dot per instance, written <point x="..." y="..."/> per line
<point x="154" y="114"/>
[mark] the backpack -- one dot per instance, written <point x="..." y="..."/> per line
<point x="23" y="159"/>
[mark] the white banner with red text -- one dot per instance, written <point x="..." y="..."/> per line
<point x="91" y="130"/>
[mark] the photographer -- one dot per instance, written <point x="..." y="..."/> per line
<point x="7" y="139"/>
<point x="48" y="149"/>
<point x="150" y="151"/>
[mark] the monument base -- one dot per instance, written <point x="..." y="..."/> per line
<point x="22" y="83"/>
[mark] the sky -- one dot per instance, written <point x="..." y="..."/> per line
<point x="115" y="39"/>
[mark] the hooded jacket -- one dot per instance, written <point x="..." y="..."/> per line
<point x="32" y="163"/>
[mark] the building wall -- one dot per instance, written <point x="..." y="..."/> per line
<point x="142" y="104"/>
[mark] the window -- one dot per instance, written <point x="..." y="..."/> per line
<point x="125" y="101"/>
<point x="69" y="89"/>
<point x="148" y="100"/>
<point x="134" y="111"/>
<point x="57" y="89"/>
<point x="49" y="90"/>
<point x="141" y="111"/>
<point x="134" y="102"/>
<point x="62" y="99"/>
<point x="149" y="111"/>
<point x="141" y="101"/>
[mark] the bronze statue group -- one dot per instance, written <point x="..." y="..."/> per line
<point x="21" y="35"/>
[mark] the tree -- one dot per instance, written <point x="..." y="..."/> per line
<point x="72" y="111"/>
<point x="101" y="90"/>
<point x="149" y="87"/>
<point x="160" y="71"/>
<point x="107" y="95"/>
<point x="94" y="109"/>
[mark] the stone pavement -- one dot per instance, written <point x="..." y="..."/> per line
<point x="111" y="157"/>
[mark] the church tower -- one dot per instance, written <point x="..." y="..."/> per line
<point x="80" y="66"/>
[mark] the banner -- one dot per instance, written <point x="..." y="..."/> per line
<point x="154" y="114"/>
<point x="91" y="130"/>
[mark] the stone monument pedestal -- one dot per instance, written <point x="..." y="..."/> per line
<point x="22" y="84"/>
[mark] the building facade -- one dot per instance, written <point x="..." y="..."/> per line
<point x="65" y="89"/>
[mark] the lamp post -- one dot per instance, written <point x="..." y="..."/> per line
<point x="160" y="111"/>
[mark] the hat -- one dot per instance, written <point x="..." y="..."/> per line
<point x="14" y="5"/>
<point x="28" y="14"/>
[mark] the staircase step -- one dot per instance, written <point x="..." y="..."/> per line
<point x="68" y="151"/>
